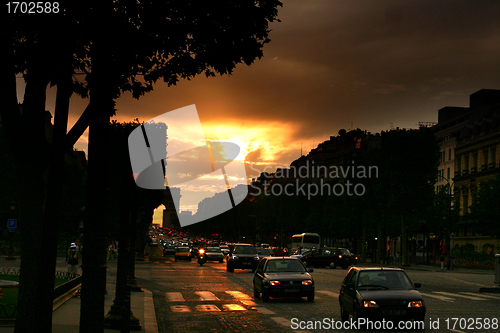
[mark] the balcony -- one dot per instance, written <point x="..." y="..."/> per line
<point x="465" y="172"/>
<point x="484" y="167"/>
<point x="473" y="170"/>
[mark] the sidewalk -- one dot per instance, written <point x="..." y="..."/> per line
<point x="66" y="318"/>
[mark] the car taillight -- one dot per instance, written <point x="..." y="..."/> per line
<point x="340" y="256"/>
<point x="275" y="283"/>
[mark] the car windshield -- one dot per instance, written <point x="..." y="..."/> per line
<point x="345" y="252"/>
<point x="244" y="250"/>
<point x="277" y="266"/>
<point x="387" y="280"/>
<point x="183" y="249"/>
<point x="213" y="249"/>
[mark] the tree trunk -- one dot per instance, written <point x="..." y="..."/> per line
<point x="32" y="195"/>
<point x="95" y="225"/>
<point x="48" y="251"/>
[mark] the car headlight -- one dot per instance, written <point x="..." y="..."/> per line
<point x="275" y="283"/>
<point x="307" y="282"/>
<point x="256" y="258"/>
<point x="416" y="304"/>
<point x="235" y="257"/>
<point x="369" y="304"/>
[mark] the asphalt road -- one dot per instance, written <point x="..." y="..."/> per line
<point x="190" y="298"/>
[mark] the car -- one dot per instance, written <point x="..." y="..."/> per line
<point x="329" y="256"/>
<point x="224" y="249"/>
<point x="242" y="256"/>
<point x="168" y="250"/>
<point x="377" y="293"/>
<point x="214" y="254"/>
<point x="280" y="252"/>
<point x="264" y="252"/>
<point x="182" y="253"/>
<point x="283" y="277"/>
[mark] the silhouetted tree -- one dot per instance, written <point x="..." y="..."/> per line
<point x="118" y="46"/>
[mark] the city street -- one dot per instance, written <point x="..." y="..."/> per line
<point x="190" y="298"/>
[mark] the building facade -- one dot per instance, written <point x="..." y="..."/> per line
<point x="476" y="161"/>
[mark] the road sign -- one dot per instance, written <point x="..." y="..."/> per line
<point x="12" y="225"/>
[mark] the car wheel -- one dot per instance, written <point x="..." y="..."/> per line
<point x="254" y="269"/>
<point x="265" y="296"/>
<point x="310" y="298"/>
<point x="221" y="261"/>
<point x="333" y="265"/>
<point x="344" y="315"/>
<point x="189" y="259"/>
<point x="175" y="258"/>
<point x="230" y="268"/>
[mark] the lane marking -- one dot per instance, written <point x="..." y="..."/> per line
<point x="175" y="297"/>
<point x="446" y="299"/>
<point x="233" y="307"/>
<point x="329" y="293"/>
<point x="238" y="294"/>
<point x="458" y="295"/>
<point x="282" y="321"/>
<point x="180" y="308"/>
<point x="207" y="307"/>
<point x="207" y="296"/>
<point x="248" y="302"/>
<point x="264" y="310"/>
<point x="480" y="295"/>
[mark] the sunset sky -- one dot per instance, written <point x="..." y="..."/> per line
<point x="335" y="64"/>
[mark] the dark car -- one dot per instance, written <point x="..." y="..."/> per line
<point x="242" y="256"/>
<point x="214" y="254"/>
<point x="280" y="252"/>
<point x="329" y="256"/>
<point x="168" y="250"/>
<point x="380" y="293"/>
<point x="264" y="252"/>
<point x="283" y="277"/>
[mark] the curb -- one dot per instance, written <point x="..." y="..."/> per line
<point x="150" y="323"/>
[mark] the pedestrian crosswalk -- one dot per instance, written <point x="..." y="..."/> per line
<point x="451" y="297"/>
<point x="233" y="300"/>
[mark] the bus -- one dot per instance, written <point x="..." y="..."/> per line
<point x="305" y="241"/>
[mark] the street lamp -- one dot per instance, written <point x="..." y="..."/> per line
<point x="448" y="231"/>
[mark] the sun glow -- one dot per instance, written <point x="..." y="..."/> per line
<point x="269" y="138"/>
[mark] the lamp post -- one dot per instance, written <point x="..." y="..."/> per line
<point x="448" y="231"/>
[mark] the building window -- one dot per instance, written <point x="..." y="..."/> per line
<point x="448" y="173"/>
<point x="449" y="154"/>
